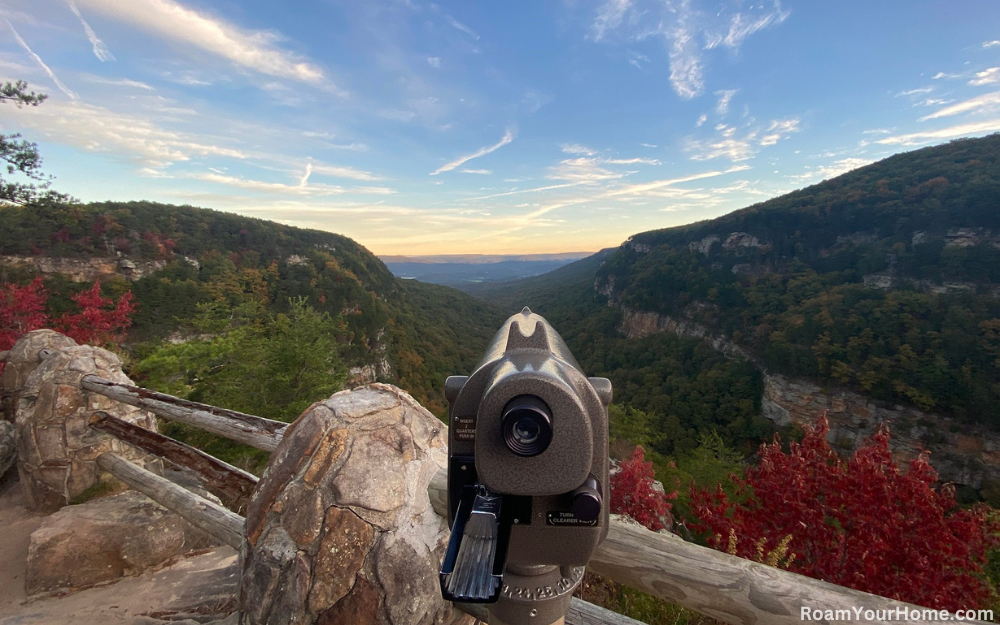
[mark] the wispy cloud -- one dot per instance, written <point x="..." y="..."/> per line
<point x="989" y="76"/>
<point x="824" y="172"/>
<point x="462" y="27"/>
<point x="741" y="143"/>
<point x="481" y="172"/>
<point x="987" y="101"/>
<point x="133" y="137"/>
<point x="918" y="138"/>
<point x="343" y="172"/>
<point x="252" y="49"/>
<point x="508" y="136"/>
<point x="688" y="31"/>
<point x="991" y="44"/>
<point x="576" y="148"/>
<point x="41" y="63"/>
<point x="582" y="170"/>
<point x="434" y="61"/>
<point x="100" y="50"/>
<point x="116" y="82"/>
<point x="919" y="91"/>
<point x="725" y="96"/>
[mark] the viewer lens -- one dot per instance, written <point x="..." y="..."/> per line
<point x="527" y="425"/>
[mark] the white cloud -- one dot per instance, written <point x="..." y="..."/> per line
<point x="508" y="136"/>
<point x="116" y="82"/>
<point x="629" y="161"/>
<point x="100" y="50"/>
<point x="987" y="101"/>
<point x="342" y="172"/>
<point x="920" y="91"/>
<point x="742" y="26"/>
<point x="688" y="31"/>
<point x="434" y="61"/>
<point x="609" y="17"/>
<point x="701" y="120"/>
<point x="462" y="27"/>
<point x="722" y="107"/>
<point x="942" y="75"/>
<point x="989" y="76"/>
<point x="832" y="170"/>
<point x="576" y="148"/>
<point x="97" y="129"/>
<point x="648" y="145"/>
<point x="582" y="171"/>
<point x="253" y="49"/>
<point x="41" y="63"/>
<point x="991" y="44"/>
<point x="951" y="132"/>
<point x="482" y="172"/>
<point x="740" y="144"/>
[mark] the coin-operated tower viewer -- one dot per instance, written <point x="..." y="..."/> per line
<point x="527" y="476"/>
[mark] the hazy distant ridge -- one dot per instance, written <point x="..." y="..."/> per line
<point x="484" y="259"/>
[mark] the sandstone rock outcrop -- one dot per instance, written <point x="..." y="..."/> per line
<point x="57" y="449"/>
<point x="87" y="269"/>
<point x="22" y="360"/>
<point x="8" y="446"/>
<point x="106" y="539"/>
<point x="960" y="453"/>
<point x="340" y="528"/>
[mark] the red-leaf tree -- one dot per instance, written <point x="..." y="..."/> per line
<point x="860" y="523"/>
<point x="22" y="309"/>
<point x="100" y="320"/>
<point x="634" y="495"/>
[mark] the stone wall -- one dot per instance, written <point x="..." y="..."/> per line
<point x="57" y="450"/>
<point x="340" y="528"/>
<point x="22" y="360"/>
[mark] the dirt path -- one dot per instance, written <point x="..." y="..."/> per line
<point x="16" y="525"/>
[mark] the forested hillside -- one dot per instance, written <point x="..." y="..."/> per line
<point x="883" y="279"/>
<point x="206" y="264"/>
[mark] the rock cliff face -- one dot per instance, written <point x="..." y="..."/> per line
<point x="86" y="270"/>
<point x="960" y="453"/>
<point x="637" y="324"/>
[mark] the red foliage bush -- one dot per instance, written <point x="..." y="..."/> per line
<point x="860" y="523"/>
<point x="633" y="495"/>
<point x="99" y="322"/>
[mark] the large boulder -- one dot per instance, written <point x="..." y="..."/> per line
<point x="57" y="449"/>
<point x="24" y="356"/>
<point x="106" y="539"/>
<point x="340" y="528"/>
<point x="8" y="446"/>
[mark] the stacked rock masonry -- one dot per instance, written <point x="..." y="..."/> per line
<point x="340" y="528"/>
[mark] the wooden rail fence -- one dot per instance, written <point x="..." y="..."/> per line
<point x="715" y="584"/>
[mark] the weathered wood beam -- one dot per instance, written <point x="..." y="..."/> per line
<point x="243" y="428"/>
<point x="716" y="584"/>
<point x="209" y="516"/>
<point x="229" y="483"/>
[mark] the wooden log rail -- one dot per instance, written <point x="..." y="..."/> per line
<point x="207" y="515"/>
<point x="257" y="432"/>
<point x="716" y="584"/>
<point x="229" y="483"/>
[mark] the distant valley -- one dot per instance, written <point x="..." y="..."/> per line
<point x="465" y="271"/>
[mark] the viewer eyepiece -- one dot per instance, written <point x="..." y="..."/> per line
<point x="526" y="425"/>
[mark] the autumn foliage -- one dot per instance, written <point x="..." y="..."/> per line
<point x="861" y="523"/>
<point x="633" y="494"/>
<point x="99" y="321"/>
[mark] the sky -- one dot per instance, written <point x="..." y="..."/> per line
<point x="488" y="127"/>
